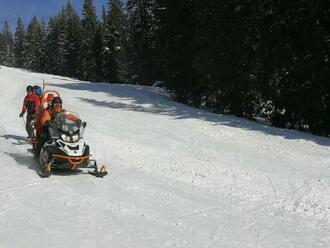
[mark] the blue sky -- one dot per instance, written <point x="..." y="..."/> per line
<point x="11" y="9"/>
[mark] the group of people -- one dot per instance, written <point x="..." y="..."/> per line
<point x="42" y="115"/>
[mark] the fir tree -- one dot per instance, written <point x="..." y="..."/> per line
<point x="115" y="43"/>
<point x="72" y="41"/>
<point x="98" y="51"/>
<point x="141" y="40"/>
<point x="34" y="46"/>
<point x="225" y="57"/>
<point x="104" y="15"/>
<point x="7" y="46"/>
<point x="89" y="28"/>
<point x="19" y="44"/>
<point x="175" y="32"/>
<point x="55" y="50"/>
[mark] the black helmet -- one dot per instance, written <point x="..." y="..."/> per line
<point x="29" y="88"/>
<point x="56" y="99"/>
<point x="55" y="102"/>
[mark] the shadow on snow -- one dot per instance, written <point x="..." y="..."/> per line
<point x="19" y="140"/>
<point x="24" y="160"/>
<point x="29" y="160"/>
<point x="149" y="100"/>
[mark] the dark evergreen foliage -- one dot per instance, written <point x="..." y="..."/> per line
<point x="264" y="58"/>
<point x="6" y="46"/>
<point x="72" y="42"/>
<point x="89" y="29"/>
<point x="56" y="44"/>
<point x="176" y="51"/>
<point x="141" y="44"/>
<point x="250" y="58"/>
<point x="34" y="46"/>
<point x="115" y="38"/>
<point x="19" y="44"/>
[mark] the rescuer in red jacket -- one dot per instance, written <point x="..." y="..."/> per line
<point x="30" y="105"/>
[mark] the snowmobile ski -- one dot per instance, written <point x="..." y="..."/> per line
<point x="101" y="173"/>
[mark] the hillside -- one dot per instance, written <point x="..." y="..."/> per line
<point x="178" y="176"/>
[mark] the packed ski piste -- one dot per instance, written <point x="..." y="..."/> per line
<point x="178" y="176"/>
<point x="56" y="135"/>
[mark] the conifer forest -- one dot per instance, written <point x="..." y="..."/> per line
<point x="258" y="59"/>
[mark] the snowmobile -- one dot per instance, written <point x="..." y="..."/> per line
<point x="66" y="148"/>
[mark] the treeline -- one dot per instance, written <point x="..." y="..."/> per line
<point x="253" y="59"/>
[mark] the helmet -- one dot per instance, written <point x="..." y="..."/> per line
<point x="37" y="90"/>
<point x="57" y="104"/>
<point x="56" y="99"/>
<point x="29" y="88"/>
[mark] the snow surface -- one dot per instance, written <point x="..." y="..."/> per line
<point x="179" y="176"/>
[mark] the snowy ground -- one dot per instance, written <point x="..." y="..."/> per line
<point x="179" y="176"/>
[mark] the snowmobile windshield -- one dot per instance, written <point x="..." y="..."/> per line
<point x="68" y="122"/>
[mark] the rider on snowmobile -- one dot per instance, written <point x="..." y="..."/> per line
<point x="48" y="116"/>
<point x="30" y="104"/>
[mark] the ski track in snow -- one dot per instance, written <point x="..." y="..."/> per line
<point x="178" y="176"/>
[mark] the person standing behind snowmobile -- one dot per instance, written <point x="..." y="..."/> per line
<point x="30" y="105"/>
<point x="48" y="116"/>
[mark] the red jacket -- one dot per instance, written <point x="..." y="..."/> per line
<point x="30" y="104"/>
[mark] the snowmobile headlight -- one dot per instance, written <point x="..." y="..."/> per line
<point x="65" y="138"/>
<point x="75" y="138"/>
<point x="65" y="128"/>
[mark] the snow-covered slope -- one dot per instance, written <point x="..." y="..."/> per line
<point x="179" y="176"/>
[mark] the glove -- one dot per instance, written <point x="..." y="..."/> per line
<point x="47" y="124"/>
<point x="21" y="114"/>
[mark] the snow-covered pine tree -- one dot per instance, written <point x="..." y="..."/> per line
<point x="141" y="40"/>
<point x="34" y="46"/>
<point x="115" y="43"/>
<point x="72" y="41"/>
<point x="98" y="51"/>
<point x="89" y="27"/>
<point x="6" y="46"/>
<point x="19" y="44"/>
<point x="55" y="49"/>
